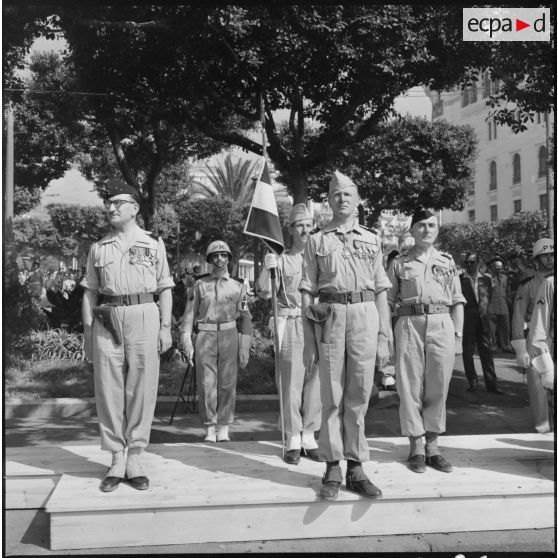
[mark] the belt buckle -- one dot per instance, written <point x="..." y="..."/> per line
<point x="125" y="300"/>
<point x="354" y="296"/>
<point x="426" y="308"/>
<point x="419" y="309"/>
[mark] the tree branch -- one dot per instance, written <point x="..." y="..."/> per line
<point x="114" y="137"/>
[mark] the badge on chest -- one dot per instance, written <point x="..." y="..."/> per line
<point x="442" y="274"/>
<point x="141" y="256"/>
<point x="365" y="250"/>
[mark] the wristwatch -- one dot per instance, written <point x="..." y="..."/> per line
<point x="459" y="335"/>
<point x="165" y="324"/>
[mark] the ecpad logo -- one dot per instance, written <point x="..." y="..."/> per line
<point x="506" y="24"/>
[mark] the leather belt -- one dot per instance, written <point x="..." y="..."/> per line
<point x="216" y="327"/>
<point x="126" y="300"/>
<point x="349" y="297"/>
<point x="289" y="312"/>
<point x="420" y="309"/>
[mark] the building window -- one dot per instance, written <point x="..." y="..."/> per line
<point x="493" y="176"/>
<point x="471" y="215"/>
<point x="543" y="202"/>
<point x="494" y="86"/>
<point x="486" y="84"/>
<point x="493" y="212"/>
<point x="494" y="126"/>
<point x="538" y="117"/>
<point x="516" y="206"/>
<point x="516" y="169"/>
<point x="543" y="163"/>
<point x="492" y="130"/>
<point x="489" y="131"/>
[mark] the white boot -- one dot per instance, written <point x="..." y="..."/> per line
<point x="223" y="433"/>
<point x="210" y="434"/>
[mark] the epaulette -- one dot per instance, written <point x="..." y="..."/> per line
<point x="202" y="276"/>
<point x="526" y="280"/>
<point x="239" y="280"/>
<point x="446" y="255"/>
<point x="373" y="230"/>
<point x="315" y="230"/>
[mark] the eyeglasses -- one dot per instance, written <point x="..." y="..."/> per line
<point x="117" y="203"/>
<point x="471" y="262"/>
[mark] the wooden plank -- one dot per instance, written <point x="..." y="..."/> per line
<point x="28" y="492"/>
<point x="61" y="459"/>
<point x="320" y="519"/>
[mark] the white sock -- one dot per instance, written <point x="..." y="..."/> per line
<point x="293" y="441"/>
<point x="308" y="441"/>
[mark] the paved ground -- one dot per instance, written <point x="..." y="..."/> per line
<point x="27" y="531"/>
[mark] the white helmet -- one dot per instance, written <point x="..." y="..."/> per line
<point x="543" y="246"/>
<point x="217" y="246"/>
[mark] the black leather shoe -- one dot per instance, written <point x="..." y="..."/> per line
<point x="473" y="385"/>
<point x="417" y="463"/>
<point x="110" y="483"/>
<point x="292" y="457"/>
<point x="495" y="390"/>
<point x="139" y="483"/>
<point x="312" y="454"/>
<point x="439" y="463"/>
<point x="331" y="482"/>
<point x="358" y="482"/>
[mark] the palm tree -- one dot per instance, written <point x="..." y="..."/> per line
<point x="230" y="179"/>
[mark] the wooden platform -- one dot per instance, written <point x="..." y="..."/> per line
<point x="244" y="491"/>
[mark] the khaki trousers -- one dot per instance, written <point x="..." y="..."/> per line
<point x="126" y="377"/>
<point x="538" y="401"/>
<point x="217" y="371"/>
<point x="424" y="359"/>
<point x="346" y="362"/>
<point x="302" y="406"/>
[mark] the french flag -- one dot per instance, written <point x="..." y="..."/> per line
<point x="263" y="218"/>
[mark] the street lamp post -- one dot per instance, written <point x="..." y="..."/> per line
<point x="550" y="205"/>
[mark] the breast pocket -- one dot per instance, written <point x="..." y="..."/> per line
<point x="105" y="270"/>
<point x="327" y="263"/>
<point x="409" y="284"/>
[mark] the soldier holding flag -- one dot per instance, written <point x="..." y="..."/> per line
<point x="300" y="385"/>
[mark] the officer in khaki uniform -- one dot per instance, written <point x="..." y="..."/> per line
<point x="219" y="302"/>
<point x="524" y="304"/>
<point x="124" y="332"/>
<point x="300" y="386"/>
<point x="346" y="331"/>
<point x="426" y="298"/>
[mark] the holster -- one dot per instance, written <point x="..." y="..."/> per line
<point x="108" y="318"/>
<point x="322" y="315"/>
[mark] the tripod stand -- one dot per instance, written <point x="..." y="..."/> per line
<point x="190" y="403"/>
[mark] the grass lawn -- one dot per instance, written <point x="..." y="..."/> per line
<point x="36" y="379"/>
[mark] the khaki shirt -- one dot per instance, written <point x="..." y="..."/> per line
<point x="430" y="278"/>
<point x="541" y="327"/>
<point x="218" y="300"/>
<point x="290" y="275"/>
<point x="524" y="304"/>
<point x="137" y="268"/>
<point x="339" y="262"/>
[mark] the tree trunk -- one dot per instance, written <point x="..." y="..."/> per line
<point x="299" y="182"/>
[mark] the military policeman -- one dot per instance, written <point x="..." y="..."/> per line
<point x="525" y="300"/>
<point x="219" y="303"/>
<point x="346" y="331"/>
<point x="426" y="297"/>
<point x="300" y="386"/>
<point x="124" y="332"/>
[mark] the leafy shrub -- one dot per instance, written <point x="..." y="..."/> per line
<point x="52" y="344"/>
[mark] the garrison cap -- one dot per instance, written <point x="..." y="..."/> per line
<point x="117" y="187"/>
<point x="421" y="214"/>
<point x="299" y="212"/>
<point x="340" y="181"/>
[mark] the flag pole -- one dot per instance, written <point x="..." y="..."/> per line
<point x="274" y="306"/>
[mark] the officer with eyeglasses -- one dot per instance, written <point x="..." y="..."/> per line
<point x="125" y="331"/>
